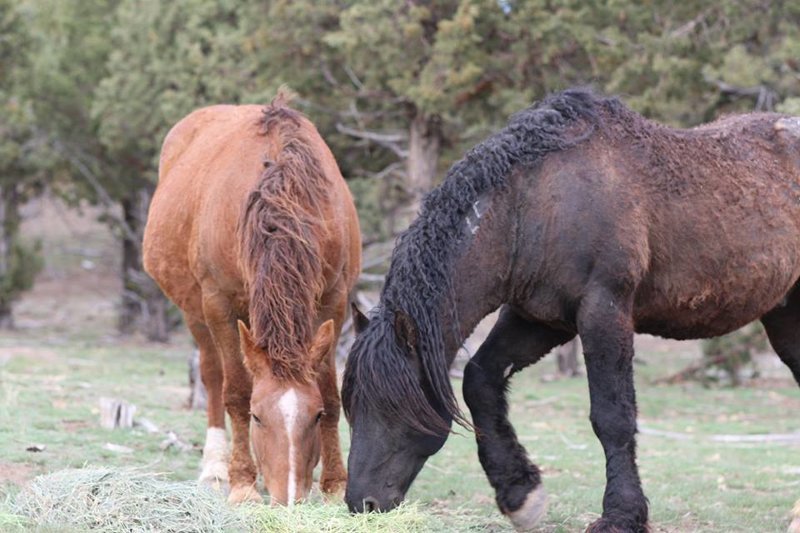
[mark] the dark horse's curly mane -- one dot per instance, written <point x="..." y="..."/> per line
<point x="279" y="237"/>
<point x="420" y="279"/>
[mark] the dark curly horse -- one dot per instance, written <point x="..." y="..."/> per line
<point x="580" y="217"/>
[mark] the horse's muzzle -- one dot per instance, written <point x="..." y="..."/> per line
<point x="369" y="504"/>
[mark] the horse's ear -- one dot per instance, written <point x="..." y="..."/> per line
<point x="254" y="358"/>
<point x="360" y="320"/>
<point x="322" y="344"/>
<point x="406" y="331"/>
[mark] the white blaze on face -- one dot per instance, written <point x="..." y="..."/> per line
<point x="287" y="404"/>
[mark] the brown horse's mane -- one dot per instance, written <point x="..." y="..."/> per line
<point x="279" y="234"/>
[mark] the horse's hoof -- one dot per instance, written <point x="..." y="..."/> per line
<point x="215" y="476"/>
<point x="244" y="494"/>
<point x="333" y="486"/>
<point x="604" y="525"/>
<point x="531" y="511"/>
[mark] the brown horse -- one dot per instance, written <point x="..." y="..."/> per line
<point x="580" y="217"/>
<point x="252" y="222"/>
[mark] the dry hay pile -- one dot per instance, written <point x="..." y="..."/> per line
<point x="101" y="499"/>
<point x="130" y="500"/>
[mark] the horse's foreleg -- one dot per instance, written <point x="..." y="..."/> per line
<point x="334" y="475"/>
<point x="215" y="452"/>
<point x="236" y="391"/>
<point x="512" y="344"/>
<point x="606" y="330"/>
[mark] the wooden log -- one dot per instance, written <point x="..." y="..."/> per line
<point x="116" y="413"/>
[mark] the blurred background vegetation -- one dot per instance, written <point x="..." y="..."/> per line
<point x="399" y="89"/>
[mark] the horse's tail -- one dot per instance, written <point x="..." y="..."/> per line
<point x="280" y="234"/>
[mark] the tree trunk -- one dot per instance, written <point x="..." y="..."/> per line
<point x="424" y="147"/>
<point x="567" y="356"/>
<point x="9" y="225"/>
<point x="144" y="307"/>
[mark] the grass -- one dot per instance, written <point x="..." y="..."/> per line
<point x="693" y="485"/>
<point x="64" y="357"/>
<point x="319" y="517"/>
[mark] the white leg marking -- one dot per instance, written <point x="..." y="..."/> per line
<point x="215" y="459"/>
<point x="288" y="407"/>
<point x="532" y="510"/>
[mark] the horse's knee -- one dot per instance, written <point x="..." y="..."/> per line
<point x="617" y="428"/>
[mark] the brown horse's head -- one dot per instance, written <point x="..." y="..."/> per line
<point x="285" y="415"/>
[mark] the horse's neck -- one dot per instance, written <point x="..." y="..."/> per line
<point x="481" y="275"/>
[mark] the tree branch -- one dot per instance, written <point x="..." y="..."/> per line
<point x="387" y="140"/>
<point x="765" y="97"/>
<point x="102" y="194"/>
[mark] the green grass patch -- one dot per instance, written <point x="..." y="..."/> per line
<point x="49" y="394"/>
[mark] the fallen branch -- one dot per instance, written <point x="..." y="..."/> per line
<point x="366" y="278"/>
<point x="789" y="438"/>
<point x="690" y="371"/>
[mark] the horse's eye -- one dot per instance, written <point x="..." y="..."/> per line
<point x="255" y="419"/>
<point x="319" y="416"/>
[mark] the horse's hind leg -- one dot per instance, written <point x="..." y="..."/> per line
<point x="783" y="329"/>
<point x="606" y="330"/>
<point x="215" y="452"/>
<point x="512" y="344"/>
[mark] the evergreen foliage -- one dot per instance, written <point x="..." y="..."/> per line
<point x="89" y="88"/>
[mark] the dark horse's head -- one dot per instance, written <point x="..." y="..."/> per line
<point x="392" y="435"/>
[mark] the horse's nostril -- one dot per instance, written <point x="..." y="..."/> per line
<point x="370" y="504"/>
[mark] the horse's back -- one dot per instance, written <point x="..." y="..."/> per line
<point x="724" y="228"/>
<point x="704" y="223"/>
<point x="210" y="161"/>
<point x="197" y="129"/>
